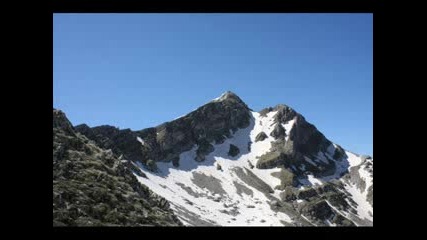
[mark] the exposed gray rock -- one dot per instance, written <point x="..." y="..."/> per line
<point x="92" y="187"/>
<point x="203" y="149"/>
<point x="242" y="189"/>
<point x="210" y="183"/>
<point x="304" y="140"/>
<point x="248" y="177"/>
<point x="270" y="160"/>
<point x="275" y="203"/>
<point x="356" y="178"/>
<point x="339" y="153"/>
<point x="284" y="113"/>
<point x="151" y="165"/>
<point x="189" y="190"/>
<point x="60" y="121"/>
<point x="195" y="219"/>
<point x="122" y="142"/>
<point x="370" y="196"/>
<point x="278" y="132"/>
<point x="263" y="112"/>
<point x="233" y="151"/>
<point x="318" y="210"/>
<point x="287" y="178"/>
<point x="261" y="137"/>
<point x="339" y="220"/>
<point x="218" y="167"/>
<point x="210" y="123"/>
<point x="306" y="194"/>
<point x="251" y="166"/>
<point x="288" y="194"/>
<point x="134" y="168"/>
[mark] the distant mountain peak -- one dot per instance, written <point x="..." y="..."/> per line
<point x="227" y="96"/>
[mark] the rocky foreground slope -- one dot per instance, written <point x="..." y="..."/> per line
<point x="224" y="164"/>
<point x="91" y="187"/>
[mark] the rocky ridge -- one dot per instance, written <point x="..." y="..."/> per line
<point x="93" y="187"/>
<point x="275" y="152"/>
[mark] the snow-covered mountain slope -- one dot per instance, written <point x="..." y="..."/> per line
<point x="224" y="164"/>
<point x="204" y="195"/>
<point x="228" y="191"/>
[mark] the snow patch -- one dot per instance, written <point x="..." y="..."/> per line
<point x="353" y="159"/>
<point x="314" y="181"/>
<point x="288" y="127"/>
<point x="229" y="209"/>
<point x="140" y="140"/>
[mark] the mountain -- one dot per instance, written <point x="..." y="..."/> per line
<point x="225" y="164"/>
<point x="92" y="187"/>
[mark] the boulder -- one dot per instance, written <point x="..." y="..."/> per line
<point x="218" y="167"/>
<point x="233" y="151"/>
<point x="260" y="137"/>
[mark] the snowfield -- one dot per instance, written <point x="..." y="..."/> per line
<point x="231" y="202"/>
<point x="237" y="194"/>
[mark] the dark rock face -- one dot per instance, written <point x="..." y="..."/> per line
<point x="263" y="112"/>
<point x="304" y="140"/>
<point x="327" y="187"/>
<point x="278" y="132"/>
<point x="319" y="210"/>
<point x="261" y="137"/>
<point x="342" y="221"/>
<point x="92" y="187"/>
<point x="121" y="142"/>
<point x="233" y="151"/>
<point x="306" y="194"/>
<point x="284" y="113"/>
<point x="60" y="121"/>
<point x="288" y="194"/>
<point x="204" y="149"/>
<point x="270" y="160"/>
<point x="213" y="122"/>
<point x="339" y="153"/>
<point x="308" y="140"/>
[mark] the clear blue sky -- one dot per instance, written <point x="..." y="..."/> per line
<point x="140" y="70"/>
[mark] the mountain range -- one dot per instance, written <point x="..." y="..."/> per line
<point x="222" y="164"/>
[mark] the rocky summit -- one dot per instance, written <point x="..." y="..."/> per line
<point x="222" y="164"/>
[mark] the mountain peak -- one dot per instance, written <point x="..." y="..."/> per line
<point x="227" y="95"/>
<point x="60" y="121"/>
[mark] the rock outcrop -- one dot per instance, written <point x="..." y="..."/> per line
<point x="261" y="137"/>
<point x="304" y="141"/>
<point x="211" y="123"/>
<point x="92" y="187"/>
